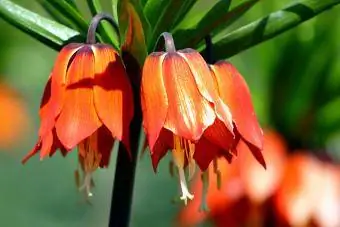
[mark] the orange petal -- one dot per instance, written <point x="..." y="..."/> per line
<point x="35" y="150"/>
<point x="153" y="97"/>
<point x="162" y="145"/>
<point x="205" y="152"/>
<point x="78" y="118"/>
<point x="112" y="92"/>
<point x="206" y="84"/>
<point x="46" y="147"/>
<point x="200" y="70"/>
<point x="218" y="134"/>
<point x="189" y="113"/>
<point x="235" y="93"/>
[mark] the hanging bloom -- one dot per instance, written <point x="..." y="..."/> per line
<point x="183" y="112"/>
<point x="234" y="92"/>
<point x="87" y="104"/>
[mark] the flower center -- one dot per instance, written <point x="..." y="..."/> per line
<point x="183" y="150"/>
<point x="89" y="160"/>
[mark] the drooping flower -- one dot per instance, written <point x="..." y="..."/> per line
<point x="87" y="104"/>
<point x="234" y="92"/>
<point x="184" y="112"/>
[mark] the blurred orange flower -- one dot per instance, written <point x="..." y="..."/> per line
<point x="244" y="184"/>
<point x="14" y="118"/>
<point x="87" y="103"/>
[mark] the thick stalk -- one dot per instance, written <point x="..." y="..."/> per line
<point x="122" y="193"/>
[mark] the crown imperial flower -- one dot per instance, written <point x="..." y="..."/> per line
<point x="87" y="104"/>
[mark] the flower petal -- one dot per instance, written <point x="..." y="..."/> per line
<point x="35" y="150"/>
<point x="189" y="113"/>
<point x="205" y="152"/>
<point x="235" y="93"/>
<point x="153" y="97"/>
<point x="200" y="70"/>
<point x="78" y="118"/>
<point x="162" y="146"/>
<point x="206" y="84"/>
<point x="219" y="135"/>
<point x="52" y="100"/>
<point x="46" y="147"/>
<point x="112" y="92"/>
<point x="105" y="145"/>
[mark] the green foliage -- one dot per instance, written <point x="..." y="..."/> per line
<point x="48" y="32"/>
<point x="269" y="27"/>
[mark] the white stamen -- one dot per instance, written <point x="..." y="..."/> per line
<point x="87" y="184"/>
<point x="184" y="188"/>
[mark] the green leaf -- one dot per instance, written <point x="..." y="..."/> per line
<point x="193" y="30"/>
<point x="68" y="9"/>
<point x="268" y="27"/>
<point x="183" y="11"/>
<point x="47" y="31"/>
<point x="106" y="31"/>
<point x="133" y="26"/>
<point x="161" y="15"/>
<point x="56" y="14"/>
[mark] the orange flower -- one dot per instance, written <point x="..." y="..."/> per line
<point x="87" y="103"/>
<point x="234" y="92"/>
<point x="14" y="117"/>
<point x="309" y="193"/>
<point x="183" y="112"/>
<point x="244" y="186"/>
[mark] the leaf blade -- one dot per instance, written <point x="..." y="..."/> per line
<point x="46" y="31"/>
<point x="268" y="27"/>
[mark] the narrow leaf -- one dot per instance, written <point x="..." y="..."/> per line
<point x="74" y="15"/>
<point x="166" y="14"/>
<point x="56" y="14"/>
<point x="107" y="33"/>
<point x="190" y="31"/>
<point x="183" y="11"/>
<point x="268" y="27"/>
<point x="46" y="31"/>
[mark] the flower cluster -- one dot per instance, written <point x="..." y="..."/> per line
<point x="198" y="112"/>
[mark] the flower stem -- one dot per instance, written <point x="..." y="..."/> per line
<point x="169" y="43"/>
<point x="122" y="192"/>
<point x="208" y="50"/>
<point x="91" y="33"/>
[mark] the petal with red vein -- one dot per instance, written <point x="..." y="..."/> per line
<point x="78" y="118"/>
<point x="235" y="93"/>
<point x="189" y="113"/>
<point x="153" y="97"/>
<point x="200" y="70"/>
<point x="112" y="92"/>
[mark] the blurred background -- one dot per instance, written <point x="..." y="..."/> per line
<point x="295" y="84"/>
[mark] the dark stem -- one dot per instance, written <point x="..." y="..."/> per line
<point x="122" y="192"/>
<point x="169" y="43"/>
<point x="91" y="32"/>
<point x="208" y="50"/>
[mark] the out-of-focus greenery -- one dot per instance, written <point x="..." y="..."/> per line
<point x="295" y="85"/>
